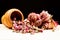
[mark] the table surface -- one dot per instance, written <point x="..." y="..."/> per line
<point x="8" y="34"/>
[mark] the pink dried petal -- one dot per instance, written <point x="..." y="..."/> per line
<point x="14" y="24"/>
<point x="27" y="31"/>
<point x="18" y="27"/>
<point x="27" y="28"/>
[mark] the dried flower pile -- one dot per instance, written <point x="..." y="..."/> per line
<point x="34" y="23"/>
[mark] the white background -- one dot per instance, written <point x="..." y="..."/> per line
<point x="7" y="34"/>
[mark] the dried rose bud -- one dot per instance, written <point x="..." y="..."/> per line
<point x="14" y="24"/>
<point x="28" y="25"/>
<point x="27" y="31"/>
<point x="36" y="31"/>
<point x="20" y="22"/>
<point x="26" y="20"/>
<point x="14" y="18"/>
<point x="33" y="31"/>
<point x="18" y="27"/>
<point x="26" y="28"/>
<point x="40" y="30"/>
<point x="24" y="31"/>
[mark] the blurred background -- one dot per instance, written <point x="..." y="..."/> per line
<point x="27" y="6"/>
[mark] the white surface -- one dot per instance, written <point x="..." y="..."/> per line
<point x="6" y="34"/>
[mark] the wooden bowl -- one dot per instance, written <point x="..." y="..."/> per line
<point x="6" y="19"/>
